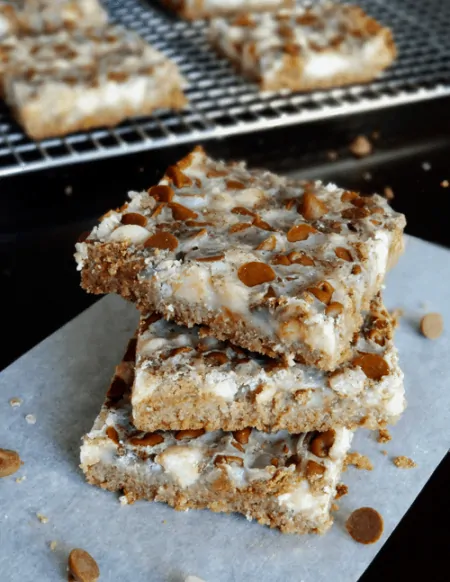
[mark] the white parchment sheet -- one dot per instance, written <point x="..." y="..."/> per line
<point x="63" y="381"/>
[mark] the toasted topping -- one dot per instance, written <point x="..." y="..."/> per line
<point x="343" y="254"/>
<point x="365" y="525"/>
<point x="334" y="309"/>
<point x="361" y="147"/>
<point x="210" y="259"/>
<point x="341" y="490"/>
<point x="162" y="193"/>
<point x="358" y="461"/>
<point x="267" y="244"/>
<point x="242" y="435"/>
<point x="373" y="365"/>
<point x="180" y="212"/>
<point x="432" y="325"/>
<point x="234" y="185"/>
<point x="83" y="567"/>
<point x="228" y="459"/>
<point x="112" y="434"/>
<point x="355" y="213"/>
<point x="300" y="232"/>
<point x="215" y="358"/>
<point x="189" y="434"/>
<point x="149" y="439"/>
<point x="323" y="291"/>
<point x="9" y="462"/>
<point x="134" y="218"/>
<point x="255" y="273"/>
<point x="314" y="471"/>
<point x="178" y="178"/>
<point x="383" y="436"/>
<point x="404" y="462"/>
<point x="312" y="207"/>
<point x="322" y="443"/>
<point x="162" y="240"/>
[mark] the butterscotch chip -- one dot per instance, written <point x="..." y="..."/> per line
<point x="134" y="218"/>
<point x="9" y="462"/>
<point x="343" y="254"/>
<point x="215" y="358"/>
<point x="404" y="462"/>
<point x="82" y="566"/>
<point x="348" y="196"/>
<point x="148" y="439"/>
<point x="373" y="365"/>
<point x="162" y="240"/>
<point x="112" y="434"/>
<point x="312" y="207"/>
<point x="262" y="224"/>
<point x="334" y="309"/>
<point x="234" y="185"/>
<point x="255" y="273"/>
<point x="180" y="212"/>
<point x="178" y="178"/>
<point x="281" y="260"/>
<point x="243" y="435"/>
<point x="323" y="291"/>
<point x="365" y="525"/>
<point x="341" y="490"/>
<point x="210" y="259"/>
<point x="162" y="193"/>
<point x="267" y="244"/>
<point x="432" y="325"/>
<point x="238" y="227"/>
<point x="243" y="211"/>
<point x="356" y="269"/>
<point x="383" y="436"/>
<point x="361" y="147"/>
<point x="322" y="444"/>
<point x="300" y="232"/>
<point x="229" y="459"/>
<point x="300" y="258"/>
<point x="314" y="471"/>
<point x="189" y="434"/>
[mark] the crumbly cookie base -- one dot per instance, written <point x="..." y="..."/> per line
<point x="199" y="11"/>
<point x="256" y="502"/>
<point x="109" y="269"/>
<point x="37" y="126"/>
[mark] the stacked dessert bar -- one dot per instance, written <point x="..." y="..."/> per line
<point x="263" y="340"/>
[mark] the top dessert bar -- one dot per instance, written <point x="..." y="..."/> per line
<point x="321" y="46"/>
<point x="37" y="16"/>
<point x="274" y="266"/>
<point x="195" y="9"/>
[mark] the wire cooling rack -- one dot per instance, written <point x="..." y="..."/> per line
<point x="223" y="103"/>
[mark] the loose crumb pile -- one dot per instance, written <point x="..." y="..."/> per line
<point x="15" y="402"/>
<point x="384" y="436"/>
<point x="361" y="147"/>
<point x="341" y="490"/>
<point x="404" y="462"/>
<point x="42" y="518"/>
<point x="359" y="461"/>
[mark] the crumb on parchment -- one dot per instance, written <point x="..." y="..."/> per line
<point x="384" y="436"/>
<point x="403" y="462"/>
<point x="359" y="461"/>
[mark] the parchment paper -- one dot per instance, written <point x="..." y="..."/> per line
<point x="63" y="381"/>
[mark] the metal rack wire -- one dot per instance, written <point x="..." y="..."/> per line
<point x="223" y="103"/>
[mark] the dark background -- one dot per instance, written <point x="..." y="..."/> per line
<point x="43" y="213"/>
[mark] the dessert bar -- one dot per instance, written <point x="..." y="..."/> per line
<point x="66" y="82"/>
<point x="281" y="480"/>
<point x="39" y="16"/>
<point x="278" y="267"/>
<point x="325" y="45"/>
<point x="186" y="380"/>
<point x="196" y="9"/>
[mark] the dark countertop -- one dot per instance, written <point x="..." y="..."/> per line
<point x="43" y="213"/>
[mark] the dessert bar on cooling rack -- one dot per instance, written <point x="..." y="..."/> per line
<point x="326" y="45"/>
<point x="196" y="9"/>
<point x="39" y="16"/>
<point x="278" y="267"/>
<point x="70" y="81"/>
<point x="281" y="480"/>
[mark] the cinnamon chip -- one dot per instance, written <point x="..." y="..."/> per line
<point x="215" y="358"/>
<point x="365" y="525"/>
<point x="162" y="240"/>
<point x="404" y="462"/>
<point x="300" y="232"/>
<point x="189" y="434"/>
<point x="9" y="462"/>
<point x="242" y="435"/>
<point x="255" y="273"/>
<point x="343" y="254"/>
<point x="178" y="178"/>
<point x="82" y="566"/>
<point x="134" y="218"/>
<point x="162" y="193"/>
<point x="373" y="365"/>
<point x="149" y="439"/>
<point x="432" y="325"/>
<point x="312" y="207"/>
<point x="112" y="434"/>
<point x="180" y="212"/>
<point x="322" y="443"/>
